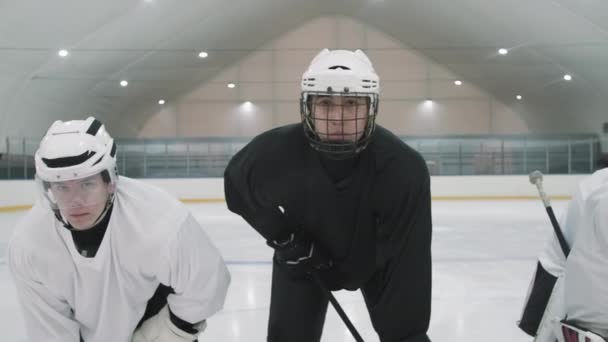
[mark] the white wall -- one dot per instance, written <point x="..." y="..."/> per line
<point x="501" y="186"/>
<point x="19" y="193"/>
<point x="270" y="76"/>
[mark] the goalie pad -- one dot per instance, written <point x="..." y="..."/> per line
<point x="555" y="312"/>
<point x="536" y="301"/>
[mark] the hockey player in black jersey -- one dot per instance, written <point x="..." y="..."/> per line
<point x="340" y="196"/>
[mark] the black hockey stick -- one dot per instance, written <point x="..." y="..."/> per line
<point x="337" y="307"/>
<point x="536" y="178"/>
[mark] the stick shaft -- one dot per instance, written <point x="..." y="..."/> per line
<point x="560" y="236"/>
<point x="338" y="308"/>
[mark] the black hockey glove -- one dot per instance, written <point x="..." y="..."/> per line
<point x="300" y="256"/>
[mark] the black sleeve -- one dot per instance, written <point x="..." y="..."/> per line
<point x="404" y="208"/>
<point x="404" y="244"/>
<point x="537" y="300"/>
<point x="244" y="197"/>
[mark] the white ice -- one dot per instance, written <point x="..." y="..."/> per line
<point x="484" y="254"/>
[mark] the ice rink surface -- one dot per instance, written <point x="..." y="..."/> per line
<point x="484" y="255"/>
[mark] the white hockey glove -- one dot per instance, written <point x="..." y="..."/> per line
<point x="159" y="328"/>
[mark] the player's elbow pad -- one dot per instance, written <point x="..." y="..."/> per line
<point x="536" y="302"/>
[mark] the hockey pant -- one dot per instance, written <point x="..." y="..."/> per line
<point x="298" y="307"/>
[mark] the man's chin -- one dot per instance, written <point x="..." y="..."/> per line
<point x="335" y="139"/>
<point x="81" y="224"/>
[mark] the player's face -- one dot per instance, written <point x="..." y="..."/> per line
<point x="82" y="201"/>
<point x="340" y="118"/>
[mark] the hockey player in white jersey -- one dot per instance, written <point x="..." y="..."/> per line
<point x="577" y="310"/>
<point x="103" y="258"/>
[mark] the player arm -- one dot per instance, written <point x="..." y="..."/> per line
<point x="405" y="239"/>
<point x="47" y="318"/>
<point x="404" y="213"/>
<point x="245" y="198"/>
<point x="197" y="274"/>
<point x="600" y="221"/>
<point x="552" y="257"/>
<point x="556" y="308"/>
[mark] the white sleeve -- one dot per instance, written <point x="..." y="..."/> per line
<point x="196" y="272"/>
<point x="552" y="258"/>
<point x="600" y="222"/>
<point x="47" y="318"/>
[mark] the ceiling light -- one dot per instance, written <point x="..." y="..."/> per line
<point x="124" y="83"/>
<point x="231" y="85"/>
<point x="247" y="107"/>
<point x="503" y="51"/>
<point x="203" y="54"/>
<point x="63" y="53"/>
<point x="519" y="97"/>
<point x="457" y="82"/>
<point x="161" y="102"/>
<point x="567" y="77"/>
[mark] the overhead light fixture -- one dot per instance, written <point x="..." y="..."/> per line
<point x="519" y="97"/>
<point x="161" y="102"/>
<point x="503" y="51"/>
<point x="231" y="85"/>
<point x="247" y="107"/>
<point x="63" y="53"/>
<point x="203" y="54"/>
<point x="124" y="83"/>
<point x="458" y="82"/>
<point x="567" y="77"/>
<point x="427" y="106"/>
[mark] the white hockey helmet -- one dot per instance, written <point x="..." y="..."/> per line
<point x="75" y="149"/>
<point x="339" y="73"/>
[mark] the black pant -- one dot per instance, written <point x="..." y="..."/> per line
<point x="397" y="299"/>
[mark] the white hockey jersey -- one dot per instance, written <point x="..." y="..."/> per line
<point x="151" y="239"/>
<point x="584" y="275"/>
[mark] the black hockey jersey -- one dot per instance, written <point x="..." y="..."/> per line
<point x="360" y="210"/>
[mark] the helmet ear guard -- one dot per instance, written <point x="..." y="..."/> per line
<point x="46" y="187"/>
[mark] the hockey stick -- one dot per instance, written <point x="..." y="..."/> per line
<point x="536" y="178"/>
<point x="542" y="334"/>
<point x="337" y="307"/>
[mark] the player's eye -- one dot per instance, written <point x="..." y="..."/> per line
<point x="61" y="188"/>
<point x="89" y="184"/>
<point x="324" y="103"/>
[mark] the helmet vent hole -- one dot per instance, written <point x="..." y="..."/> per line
<point x="335" y="67"/>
